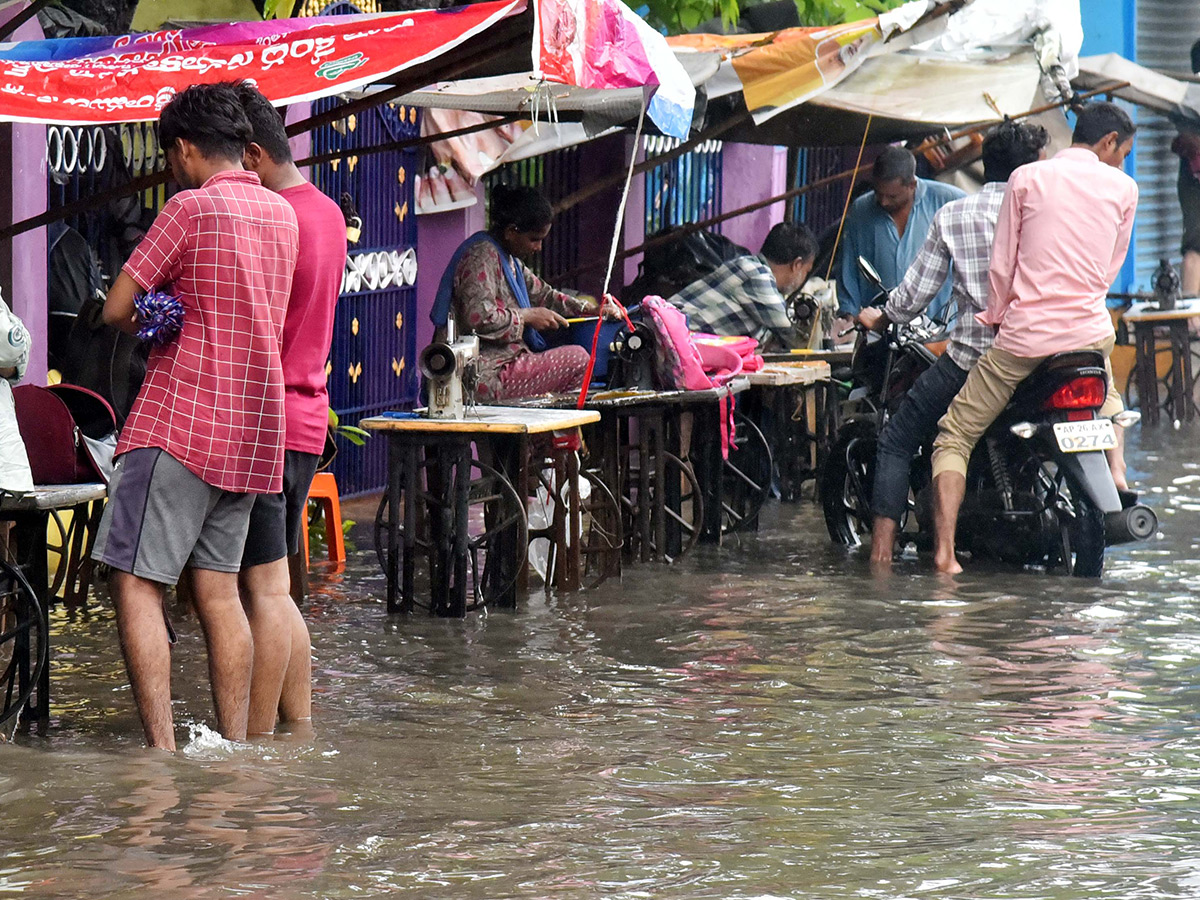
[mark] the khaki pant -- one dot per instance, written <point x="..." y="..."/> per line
<point x="986" y="392"/>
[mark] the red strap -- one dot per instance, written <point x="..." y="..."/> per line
<point x="591" y="366"/>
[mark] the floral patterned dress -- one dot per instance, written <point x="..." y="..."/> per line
<point x="484" y="305"/>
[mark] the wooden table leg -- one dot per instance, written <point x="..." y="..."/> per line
<point x="510" y="455"/>
<point x="460" y="528"/>
<point x="646" y="477"/>
<point x="411" y="463"/>
<point x="392" y="557"/>
<point x="567" y="520"/>
<point x="29" y="531"/>
<point x="1147" y="373"/>
<point x="1181" y="358"/>
<point x="439" y="479"/>
<point x="709" y="471"/>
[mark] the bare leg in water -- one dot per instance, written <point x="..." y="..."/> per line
<point x="883" y="541"/>
<point x="949" y="488"/>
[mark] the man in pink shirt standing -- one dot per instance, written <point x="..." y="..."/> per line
<point x="282" y="682"/>
<point x="206" y="432"/>
<point x="1061" y="238"/>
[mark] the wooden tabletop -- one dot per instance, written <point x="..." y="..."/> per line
<point x="833" y="357"/>
<point x="489" y="419"/>
<point x="53" y="496"/>
<point x="1149" y="312"/>
<point x="781" y="374"/>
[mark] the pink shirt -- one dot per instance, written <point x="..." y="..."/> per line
<point x="1061" y="237"/>
<point x="213" y="397"/>
<point x="308" y="328"/>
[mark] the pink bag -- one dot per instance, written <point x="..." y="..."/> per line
<point x="745" y="347"/>
<point x="681" y="363"/>
<point x="679" y="366"/>
<point x="720" y="363"/>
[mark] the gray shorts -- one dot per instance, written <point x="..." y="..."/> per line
<point x="161" y="517"/>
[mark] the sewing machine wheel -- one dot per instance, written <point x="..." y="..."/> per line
<point x="600" y="526"/>
<point x="746" y="474"/>
<point x="682" y="506"/>
<point x="23" y="646"/>
<point x="497" y="534"/>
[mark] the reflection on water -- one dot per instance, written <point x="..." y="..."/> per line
<point x="764" y="721"/>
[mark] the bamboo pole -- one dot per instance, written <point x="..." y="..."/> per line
<point x="408" y="142"/>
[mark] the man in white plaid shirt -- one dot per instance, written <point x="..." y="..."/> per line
<point x="959" y="243"/>
<point x="746" y="296"/>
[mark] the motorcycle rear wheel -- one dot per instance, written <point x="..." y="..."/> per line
<point x="1083" y="538"/>
<point x="846" y="485"/>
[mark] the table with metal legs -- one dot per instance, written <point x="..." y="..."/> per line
<point x="462" y="515"/>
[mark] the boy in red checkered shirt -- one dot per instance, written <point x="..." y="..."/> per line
<point x="206" y="433"/>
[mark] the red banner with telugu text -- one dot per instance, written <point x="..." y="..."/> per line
<point x="134" y="77"/>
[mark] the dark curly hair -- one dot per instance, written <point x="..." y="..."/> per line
<point x="1010" y="145"/>
<point x="266" y="122"/>
<point x="1094" y="121"/>
<point x="209" y="116"/>
<point x="524" y="208"/>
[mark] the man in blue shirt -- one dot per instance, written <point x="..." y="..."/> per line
<point x="888" y="226"/>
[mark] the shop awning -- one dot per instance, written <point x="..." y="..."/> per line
<point x="1178" y="99"/>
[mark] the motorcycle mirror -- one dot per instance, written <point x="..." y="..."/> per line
<point x="869" y="273"/>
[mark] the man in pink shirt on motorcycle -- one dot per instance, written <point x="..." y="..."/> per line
<point x="1061" y="238"/>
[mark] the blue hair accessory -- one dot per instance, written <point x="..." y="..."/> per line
<point x="160" y="316"/>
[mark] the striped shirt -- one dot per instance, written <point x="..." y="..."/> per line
<point x="213" y="396"/>
<point x="736" y="299"/>
<point x="961" y="234"/>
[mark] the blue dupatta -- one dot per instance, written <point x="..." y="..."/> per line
<point x="512" y="274"/>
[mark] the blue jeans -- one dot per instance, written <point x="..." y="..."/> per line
<point x="914" y="424"/>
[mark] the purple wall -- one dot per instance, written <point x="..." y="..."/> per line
<point x="749" y="173"/>
<point x="598" y="214"/>
<point x="438" y="236"/>
<point x="24" y="268"/>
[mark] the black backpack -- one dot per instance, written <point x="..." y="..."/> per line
<point x="669" y="267"/>
<point x="86" y="351"/>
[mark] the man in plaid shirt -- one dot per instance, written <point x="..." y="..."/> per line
<point x="746" y="296"/>
<point x="206" y="433"/>
<point x="961" y="234"/>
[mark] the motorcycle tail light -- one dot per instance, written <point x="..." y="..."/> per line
<point x="1086" y="392"/>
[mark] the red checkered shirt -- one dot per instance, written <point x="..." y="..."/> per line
<point x="213" y="397"/>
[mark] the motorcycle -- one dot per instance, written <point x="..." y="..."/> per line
<point x="1039" y="488"/>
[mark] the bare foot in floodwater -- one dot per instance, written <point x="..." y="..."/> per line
<point x="948" y="565"/>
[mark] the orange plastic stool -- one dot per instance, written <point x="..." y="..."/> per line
<point x="324" y="490"/>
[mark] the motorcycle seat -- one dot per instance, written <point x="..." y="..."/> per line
<point x="1043" y="380"/>
<point x="1072" y="359"/>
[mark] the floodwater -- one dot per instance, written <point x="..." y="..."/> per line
<point x="762" y="721"/>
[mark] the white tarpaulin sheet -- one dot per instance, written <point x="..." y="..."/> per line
<point x="938" y="91"/>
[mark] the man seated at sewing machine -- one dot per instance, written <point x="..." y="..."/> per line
<point x="494" y="296"/>
<point x="747" y="295"/>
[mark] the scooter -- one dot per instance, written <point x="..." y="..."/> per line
<point x="1039" y="489"/>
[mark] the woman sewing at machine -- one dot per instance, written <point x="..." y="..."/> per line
<point x="495" y="296"/>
